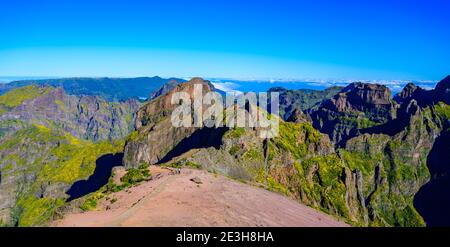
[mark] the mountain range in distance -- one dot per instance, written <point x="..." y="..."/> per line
<point x="114" y="89"/>
<point x="358" y="152"/>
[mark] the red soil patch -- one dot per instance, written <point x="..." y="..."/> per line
<point x="171" y="199"/>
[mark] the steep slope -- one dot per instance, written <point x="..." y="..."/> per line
<point x="370" y="180"/>
<point x="356" y="107"/>
<point x="48" y="141"/>
<point x="411" y="91"/>
<point x="383" y="171"/>
<point x="38" y="165"/>
<point x="442" y="91"/>
<point x="297" y="101"/>
<point x="86" y="117"/>
<point x="426" y="97"/>
<point x="433" y="199"/>
<point x="155" y="135"/>
<point x="167" y="87"/>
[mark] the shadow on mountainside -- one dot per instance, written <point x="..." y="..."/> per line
<point x="433" y="199"/>
<point x="98" y="179"/>
<point x="201" y="138"/>
<point x="390" y="128"/>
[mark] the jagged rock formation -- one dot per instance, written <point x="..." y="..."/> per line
<point x="155" y="135"/>
<point x="426" y="97"/>
<point x="410" y="91"/>
<point x="167" y="87"/>
<point x="298" y="101"/>
<point x="48" y="141"/>
<point x="356" y="107"/>
<point x="38" y="165"/>
<point x="297" y="116"/>
<point x="85" y="117"/>
<point x="442" y="90"/>
<point x="433" y="199"/>
<point x="370" y="180"/>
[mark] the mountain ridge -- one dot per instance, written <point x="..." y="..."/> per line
<point x="113" y="89"/>
<point x="366" y="169"/>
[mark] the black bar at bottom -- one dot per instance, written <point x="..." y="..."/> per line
<point x="223" y="236"/>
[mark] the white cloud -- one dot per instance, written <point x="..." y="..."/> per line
<point x="228" y="87"/>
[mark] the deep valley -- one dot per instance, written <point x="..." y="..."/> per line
<point x="354" y="155"/>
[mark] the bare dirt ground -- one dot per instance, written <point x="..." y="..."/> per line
<point x="174" y="200"/>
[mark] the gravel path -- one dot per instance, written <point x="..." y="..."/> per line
<point x="176" y="200"/>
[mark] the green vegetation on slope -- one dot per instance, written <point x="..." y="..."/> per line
<point x="135" y="175"/>
<point x="442" y="110"/>
<point x="296" y="138"/>
<point x="235" y="132"/>
<point x="51" y="159"/>
<point x="17" y="96"/>
<point x="302" y="99"/>
<point x="132" y="177"/>
<point x="370" y="182"/>
<point x="359" y="122"/>
<point x="183" y="163"/>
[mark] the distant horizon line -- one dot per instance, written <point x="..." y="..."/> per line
<point x="242" y="79"/>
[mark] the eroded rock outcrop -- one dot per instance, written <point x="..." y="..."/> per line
<point x="86" y="117"/>
<point x="155" y="135"/>
<point x="356" y="107"/>
<point x="371" y="180"/>
<point x="167" y="87"/>
<point x="49" y="140"/>
<point x="426" y="97"/>
<point x="295" y="102"/>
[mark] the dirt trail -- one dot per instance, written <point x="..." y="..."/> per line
<point x="175" y="200"/>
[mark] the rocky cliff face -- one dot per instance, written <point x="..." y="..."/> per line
<point x="167" y="87"/>
<point x="408" y="92"/>
<point x="444" y="85"/>
<point x="38" y="164"/>
<point x="294" y="102"/>
<point x="356" y="107"/>
<point x="85" y="117"/>
<point x="426" y="97"/>
<point x="369" y="180"/>
<point x="393" y="168"/>
<point x="442" y="91"/>
<point x="48" y="141"/>
<point x="155" y="135"/>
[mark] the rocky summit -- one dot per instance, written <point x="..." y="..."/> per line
<point x="155" y="136"/>
<point x="355" y="107"/>
<point x="370" y="179"/>
<point x="357" y="153"/>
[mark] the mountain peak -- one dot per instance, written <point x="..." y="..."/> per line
<point x="194" y="80"/>
<point x="407" y="92"/>
<point x="444" y="84"/>
<point x="411" y="85"/>
<point x="358" y="95"/>
<point x="360" y="86"/>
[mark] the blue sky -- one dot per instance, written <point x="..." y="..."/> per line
<point x="234" y="39"/>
